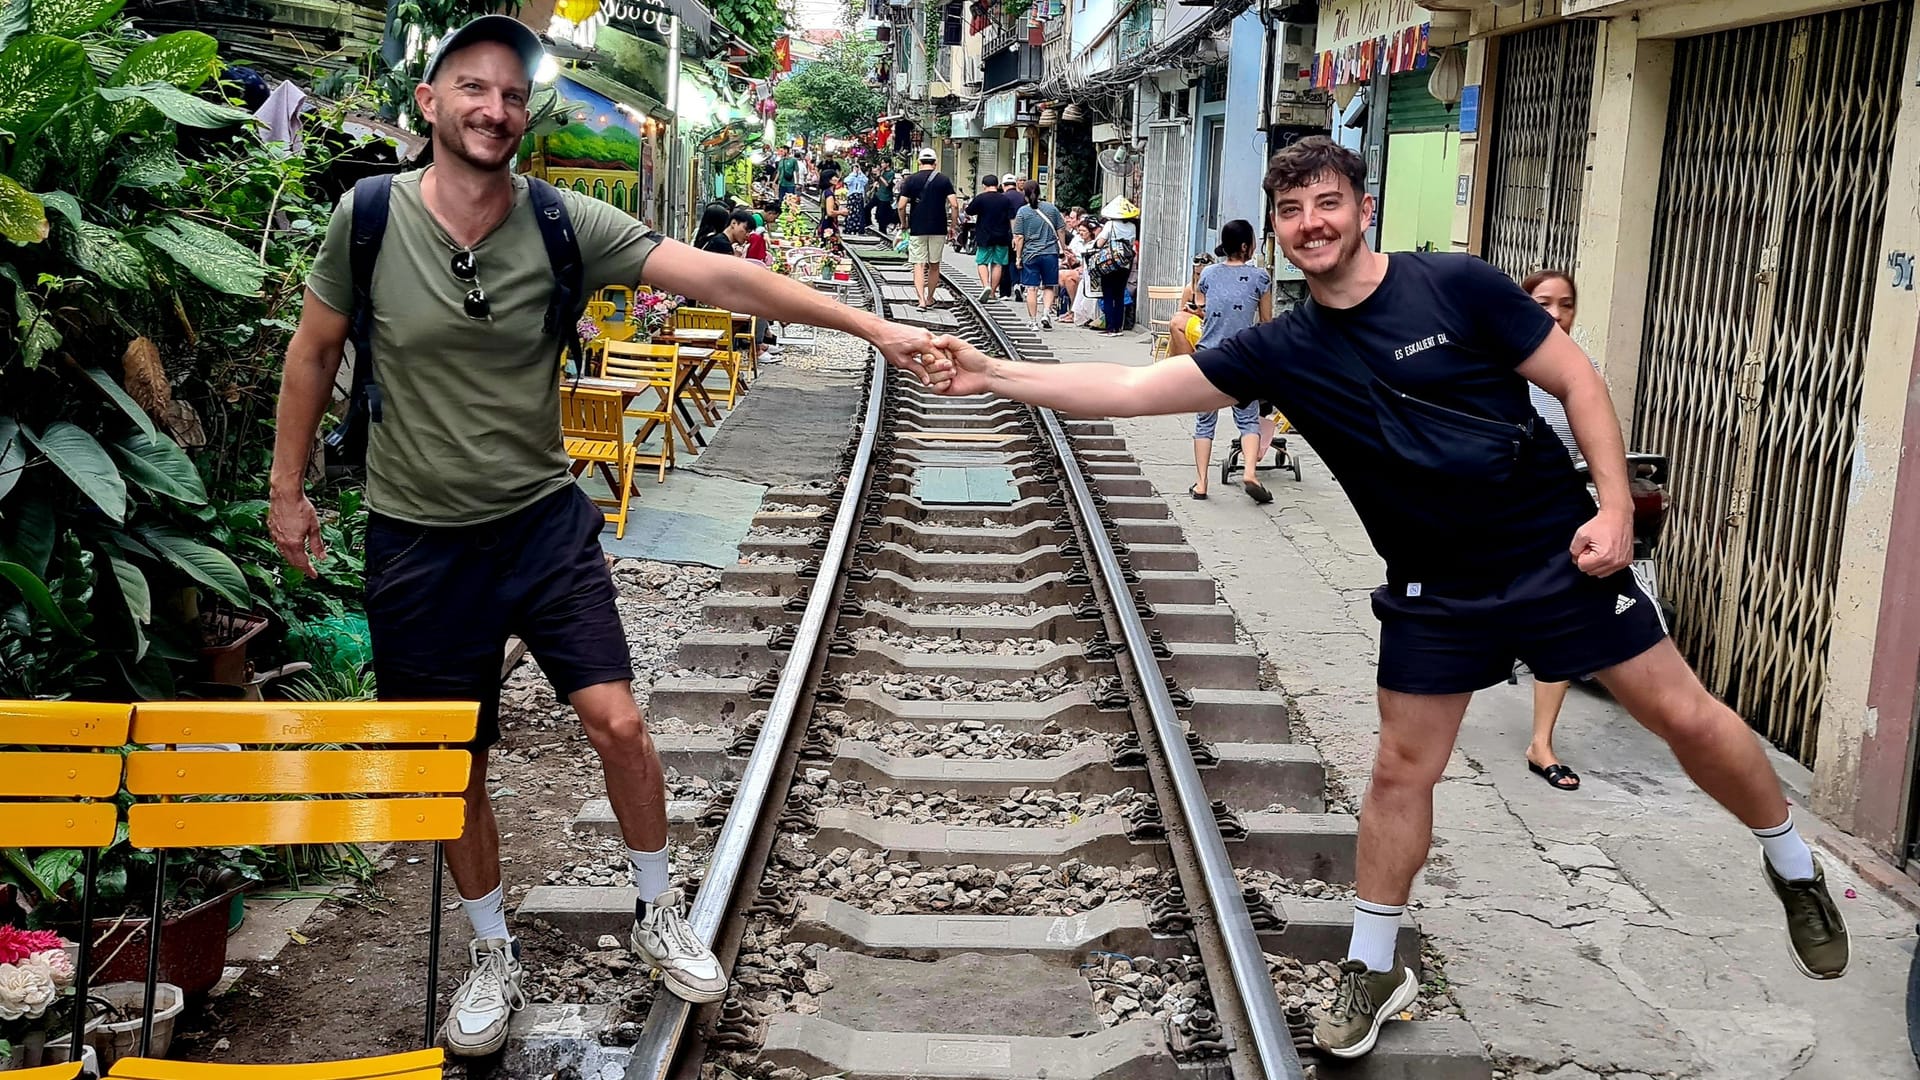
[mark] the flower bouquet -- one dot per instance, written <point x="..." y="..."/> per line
<point x="653" y="310"/>
<point x="36" y="989"/>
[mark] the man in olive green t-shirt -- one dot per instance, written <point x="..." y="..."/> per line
<point x="477" y="530"/>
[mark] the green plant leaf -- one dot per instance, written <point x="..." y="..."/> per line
<point x="14" y="20"/>
<point x="210" y="255"/>
<point x="133" y="587"/>
<point x="198" y="561"/>
<point x="186" y="60"/>
<point x="86" y="463"/>
<point x="34" y="591"/>
<point x="80" y="138"/>
<point x="151" y="166"/>
<point x="13" y="454"/>
<point x="127" y="405"/>
<point x="71" y="18"/>
<point x="160" y="466"/>
<point x="178" y="105"/>
<point x="23" y="215"/>
<point x="58" y="866"/>
<point x="64" y="202"/>
<point x="28" y="535"/>
<point x="38" y="74"/>
<point x="106" y="254"/>
<point x="37" y="335"/>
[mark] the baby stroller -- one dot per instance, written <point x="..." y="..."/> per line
<point x="1282" y="459"/>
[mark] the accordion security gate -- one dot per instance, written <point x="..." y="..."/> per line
<point x="1539" y="161"/>
<point x="1773" y="194"/>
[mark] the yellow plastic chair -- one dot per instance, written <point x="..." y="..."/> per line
<point x="596" y="436"/>
<point x="602" y="313"/>
<point x="47" y="793"/>
<point x="725" y="359"/>
<point x="402" y="784"/>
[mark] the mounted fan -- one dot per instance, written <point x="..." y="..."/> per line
<point x="1122" y="160"/>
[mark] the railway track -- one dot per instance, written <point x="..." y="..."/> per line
<point x="1003" y="794"/>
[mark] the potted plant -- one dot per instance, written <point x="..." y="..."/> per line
<point x="36" y="994"/>
<point x="201" y="884"/>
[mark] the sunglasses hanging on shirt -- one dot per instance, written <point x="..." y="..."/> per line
<point x="467" y="268"/>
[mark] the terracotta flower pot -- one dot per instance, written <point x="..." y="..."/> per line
<point x="193" y="947"/>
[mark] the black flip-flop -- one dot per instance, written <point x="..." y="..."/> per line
<point x="1194" y="490"/>
<point x="1257" y="493"/>
<point x="1557" y="775"/>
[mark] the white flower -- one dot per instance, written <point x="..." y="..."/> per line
<point x="25" y="991"/>
<point x="55" y="964"/>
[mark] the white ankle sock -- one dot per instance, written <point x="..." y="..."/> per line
<point x="1376" y="929"/>
<point x="488" y="914"/>
<point x="650" y="874"/>
<point x="1786" y="852"/>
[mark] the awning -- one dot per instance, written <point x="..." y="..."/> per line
<point x="614" y="90"/>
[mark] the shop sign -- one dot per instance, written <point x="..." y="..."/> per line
<point x="1359" y="37"/>
<point x="1002" y="109"/>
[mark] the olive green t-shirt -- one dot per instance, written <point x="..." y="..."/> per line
<point x="470" y="424"/>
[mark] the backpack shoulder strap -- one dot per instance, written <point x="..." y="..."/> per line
<point x="569" y="300"/>
<point x="372" y="197"/>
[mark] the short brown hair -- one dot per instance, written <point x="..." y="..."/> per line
<point x="1310" y="159"/>
<point x="1535" y="279"/>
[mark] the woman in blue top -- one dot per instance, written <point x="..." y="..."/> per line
<point x="1233" y="295"/>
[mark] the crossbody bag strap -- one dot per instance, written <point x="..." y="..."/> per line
<point x="372" y="198"/>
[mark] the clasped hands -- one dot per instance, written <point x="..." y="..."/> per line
<point x="944" y="363"/>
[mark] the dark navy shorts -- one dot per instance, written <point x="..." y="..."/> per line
<point x="1564" y="624"/>
<point x="443" y="599"/>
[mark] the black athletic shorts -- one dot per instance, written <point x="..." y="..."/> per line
<point x="442" y="601"/>
<point x="1563" y="623"/>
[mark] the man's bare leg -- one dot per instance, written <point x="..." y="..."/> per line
<point x="636" y="782"/>
<point x="474" y="859"/>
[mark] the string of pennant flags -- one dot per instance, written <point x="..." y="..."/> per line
<point x="1405" y="50"/>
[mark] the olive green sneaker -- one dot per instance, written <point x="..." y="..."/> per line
<point x="1815" y="930"/>
<point x="1365" y="999"/>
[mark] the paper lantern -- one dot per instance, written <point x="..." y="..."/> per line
<point x="1343" y="94"/>
<point x="1448" y="76"/>
<point x="576" y="11"/>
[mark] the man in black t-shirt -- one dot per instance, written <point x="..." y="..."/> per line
<point x="925" y="198"/>
<point x="1409" y="375"/>
<point x="992" y="235"/>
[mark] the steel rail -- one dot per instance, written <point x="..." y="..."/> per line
<point x="665" y="1026"/>
<point x="1273" y="1042"/>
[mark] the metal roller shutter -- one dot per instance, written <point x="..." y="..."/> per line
<point x="1539" y="164"/>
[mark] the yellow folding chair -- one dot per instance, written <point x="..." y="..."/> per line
<point x="402" y="784"/>
<point x="725" y="359"/>
<point x="659" y="370"/>
<point x="602" y="313"/>
<point x="47" y="790"/>
<point x="596" y="435"/>
<point x="1161" y="327"/>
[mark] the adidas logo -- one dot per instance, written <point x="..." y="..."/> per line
<point x="1622" y="603"/>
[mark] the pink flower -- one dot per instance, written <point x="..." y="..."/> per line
<point x="17" y="944"/>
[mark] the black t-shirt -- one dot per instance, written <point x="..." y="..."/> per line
<point x="995" y="227"/>
<point x="717" y="243"/>
<point x="928" y="190"/>
<point x="1448" y="330"/>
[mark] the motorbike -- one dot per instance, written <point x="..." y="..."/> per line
<point x="1647" y="485"/>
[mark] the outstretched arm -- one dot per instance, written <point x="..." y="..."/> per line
<point x="748" y="288"/>
<point x="1171" y="386"/>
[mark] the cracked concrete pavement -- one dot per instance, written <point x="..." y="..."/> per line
<point x="1619" y="931"/>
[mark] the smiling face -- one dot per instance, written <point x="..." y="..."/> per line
<point x="477" y="104"/>
<point x="1556" y="295"/>
<point x="1322" y="224"/>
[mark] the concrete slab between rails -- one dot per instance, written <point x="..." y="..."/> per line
<point x="1138" y="508"/>
<point x="747" y="652"/>
<point x="936" y="567"/>
<point x="1239" y="716"/>
<point x="544" y="1041"/>
<point x="1135" y="1050"/>
<point x="704" y="756"/>
<point x="1120" y="485"/>
<point x="1173" y="557"/>
<point x="1213" y="623"/>
<point x="683" y="826"/>
<point x="1444" y="1048"/>
<point x="1136" y="531"/>
<point x="1027" y="537"/>
<point x="1315" y="930"/>
<point x="581" y="913"/>
<point x="1292" y="845"/>
<point x="1227" y="666"/>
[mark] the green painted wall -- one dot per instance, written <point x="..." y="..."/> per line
<point x="1422" y="174"/>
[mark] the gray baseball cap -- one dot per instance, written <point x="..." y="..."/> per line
<point x="504" y="29"/>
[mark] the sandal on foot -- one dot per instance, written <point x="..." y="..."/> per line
<point x="1257" y="493"/>
<point x="1194" y="490"/>
<point x="1557" y="775"/>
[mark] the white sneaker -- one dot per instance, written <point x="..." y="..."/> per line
<point x="1046" y="320"/>
<point x="477" y="1025"/>
<point x="665" y="941"/>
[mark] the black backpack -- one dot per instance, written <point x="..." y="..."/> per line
<point x="346" y="444"/>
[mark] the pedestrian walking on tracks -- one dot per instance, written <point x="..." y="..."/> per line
<point x="1232" y="295"/>
<point x="477" y="530"/>
<point x="925" y="198"/>
<point x="1409" y="375"/>
<point x="992" y="235"/>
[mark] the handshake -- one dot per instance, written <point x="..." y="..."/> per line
<point x="944" y="364"/>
